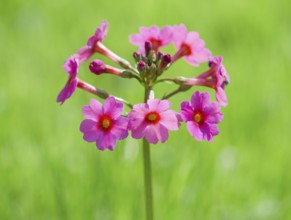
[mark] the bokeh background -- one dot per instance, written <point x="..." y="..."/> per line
<point x="48" y="172"/>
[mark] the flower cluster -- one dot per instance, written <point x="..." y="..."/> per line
<point x="152" y="119"/>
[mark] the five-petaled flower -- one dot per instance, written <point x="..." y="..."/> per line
<point x="158" y="38"/>
<point x="71" y="66"/>
<point x="152" y="120"/>
<point x="104" y="124"/>
<point x="189" y="46"/>
<point x="201" y="116"/>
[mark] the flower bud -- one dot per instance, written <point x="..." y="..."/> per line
<point x="159" y="55"/>
<point x="97" y="67"/>
<point x="136" y="56"/>
<point x="166" y="59"/>
<point x="141" y="66"/>
<point x="148" y="47"/>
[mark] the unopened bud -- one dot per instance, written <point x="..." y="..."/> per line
<point x="97" y="67"/>
<point x="166" y="59"/>
<point x="141" y="66"/>
<point x="148" y="47"/>
<point x="160" y="55"/>
<point x="136" y="56"/>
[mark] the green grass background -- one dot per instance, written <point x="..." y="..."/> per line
<point x="48" y="172"/>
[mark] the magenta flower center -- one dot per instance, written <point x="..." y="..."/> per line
<point x="198" y="117"/>
<point x="105" y="123"/>
<point x="155" y="43"/>
<point x="152" y="118"/>
<point x="185" y="49"/>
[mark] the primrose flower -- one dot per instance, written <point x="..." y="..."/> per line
<point x="152" y="120"/>
<point x="201" y="116"/>
<point x="104" y="124"/>
<point x="189" y="46"/>
<point x="216" y="77"/>
<point x="158" y="38"/>
<point x="71" y="66"/>
<point x="87" y="51"/>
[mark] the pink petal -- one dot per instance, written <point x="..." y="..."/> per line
<point x="112" y="108"/>
<point x="191" y="38"/>
<point x="96" y="107"/>
<point x="166" y="35"/>
<point x="221" y="96"/>
<point x="88" y="113"/>
<point x="180" y="34"/>
<point x="88" y="125"/>
<point x="136" y="39"/>
<point x="186" y="112"/>
<point x="199" y="100"/>
<point x="91" y="136"/>
<point x="151" y="135"/>
<point x="158" y="105"/>
<point x="212" y="112"/>
<point x="138" y="132"/>
<point x="169" y="120"/>
<point x="107" y="141"/>
<point x="85" y="53"/>
<point x="119" y="129"/>
<point x="155" y="133"/>
<point x="209" y="130"/>
<point x="67" y="91"/>
<point x="141" y="108"/>
<point x="194" y="130"/>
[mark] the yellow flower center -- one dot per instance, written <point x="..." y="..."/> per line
<point x="152" y="117"/>
<point x="105" y="123"/>
<point x="198" y="117"/>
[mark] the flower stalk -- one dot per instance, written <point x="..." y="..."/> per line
<point x="147" y="173"/>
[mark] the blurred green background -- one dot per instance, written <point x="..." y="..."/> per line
<point x="48" y="172"/>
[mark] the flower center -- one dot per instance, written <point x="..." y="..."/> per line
<point x="198" y="117"/>
<point x="155" y="43"/>
<point x="185" y="49"/>
<point x="105" y="123"/>
<point x="152" y="118"/>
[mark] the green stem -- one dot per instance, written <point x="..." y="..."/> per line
<point x="147" y="173"/>
<point x="148" y="180"/>
<point x="172" y="94"/>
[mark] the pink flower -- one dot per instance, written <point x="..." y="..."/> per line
<point x="216" y="77"/>
<point x="104" y="124"/>
<point x="71" y="66"/>
<point x="201" y="116"/>
<point x="153" y="34"/>
<point x="87" y="51"/>
<point x="189" y="46"/>
<point x="152" y="120"/>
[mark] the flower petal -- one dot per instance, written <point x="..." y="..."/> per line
<point x="138" y="132"/>
<point x="106" y="141"/>
<point x="67" y="91"/>
<point x="88" y="125"/>
<point x="169" y="120"/>
<point x="221" y="96"/>
<point x="194" y="130"/>
<point x="112" y="108"/>
<point x="119" y="130"/>
<point x="158" y="105"/>
<point x="151" y="135"/>
<point x="96" y="107"/>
